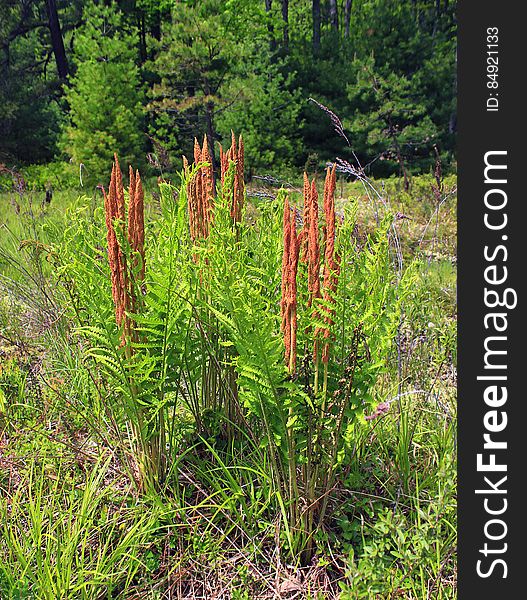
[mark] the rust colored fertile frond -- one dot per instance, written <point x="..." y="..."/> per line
<point x="309" y="241"/>
<point x="234" y="154"/>
<point x="120" y="216"/>
<point x="122" y="278"/>
<point x="329" y="213"/>
<point x="111" y="240"/>
<point x="197" y="152"/>
<point x="207" y="197"/>
<point x="313" y="246"/>
<point x="288" y="304"/>
<point x="136" y="222"/>
<point x="200" y="192"/>
<point x="119" y="190"/>
<point x="114" y="211"/>
<point x="307" y="209"/>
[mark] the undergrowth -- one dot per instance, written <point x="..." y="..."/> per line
<point x="188" y="458"/>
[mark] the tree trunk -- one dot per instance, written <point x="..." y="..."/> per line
<point x="285" y="17"/>
<point x="316" y="25"/>
<point x="270" y="27"/>
<point x="142" y="37"/>
<point x="333" y="15"/>
<point x="347" y="17"/>
<point x="155" y="28"/>
<point x="57" y="42"/>
<point x="437" y="18"/>
<point x="211" y="135"/>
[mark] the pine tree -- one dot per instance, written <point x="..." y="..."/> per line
<point x="104" y="96"/>
<point x="390" y="120"/>
<point x="193" y="65"/>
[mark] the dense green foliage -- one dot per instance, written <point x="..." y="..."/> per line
<point x="172" y="70"/>
<point x="104" y="95"/>
<point x="224" y="514"/>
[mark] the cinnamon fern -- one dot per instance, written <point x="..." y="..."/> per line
<point x="272" y="334"/>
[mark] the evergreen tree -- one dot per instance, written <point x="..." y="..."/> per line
<point x="266" y="111"/>
<point x="219" y="72"/>
<point x="105" y="95"/>
<point x="387" y="69"/>
<point x="194" y="63"/>
<point x="29" y="85"/>
<point x="390" y="122"/>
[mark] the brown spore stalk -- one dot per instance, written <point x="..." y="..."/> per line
<point x="234" y="154"/>
<point x="114" y="212"/>
<point x="306" y="194"/>
<point x="313" y="246"/>
<point x="124" y="278"/>
<point x="311" y="249"/>
<point x="136" y="233"/>
<point x="288" y="303"/>
<point x="200" y="192"/>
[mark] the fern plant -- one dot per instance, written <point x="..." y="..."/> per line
<point x="205" y="334"/>
<point x="143" y="372"/>
<point x="306" y="428"/>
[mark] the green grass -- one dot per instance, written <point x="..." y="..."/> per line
<point x="74" y="527"/>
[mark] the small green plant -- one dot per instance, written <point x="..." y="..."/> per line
<point x="304" y="410"/>
<point x="197" y="320"/>
<point x="129" y="306"/>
